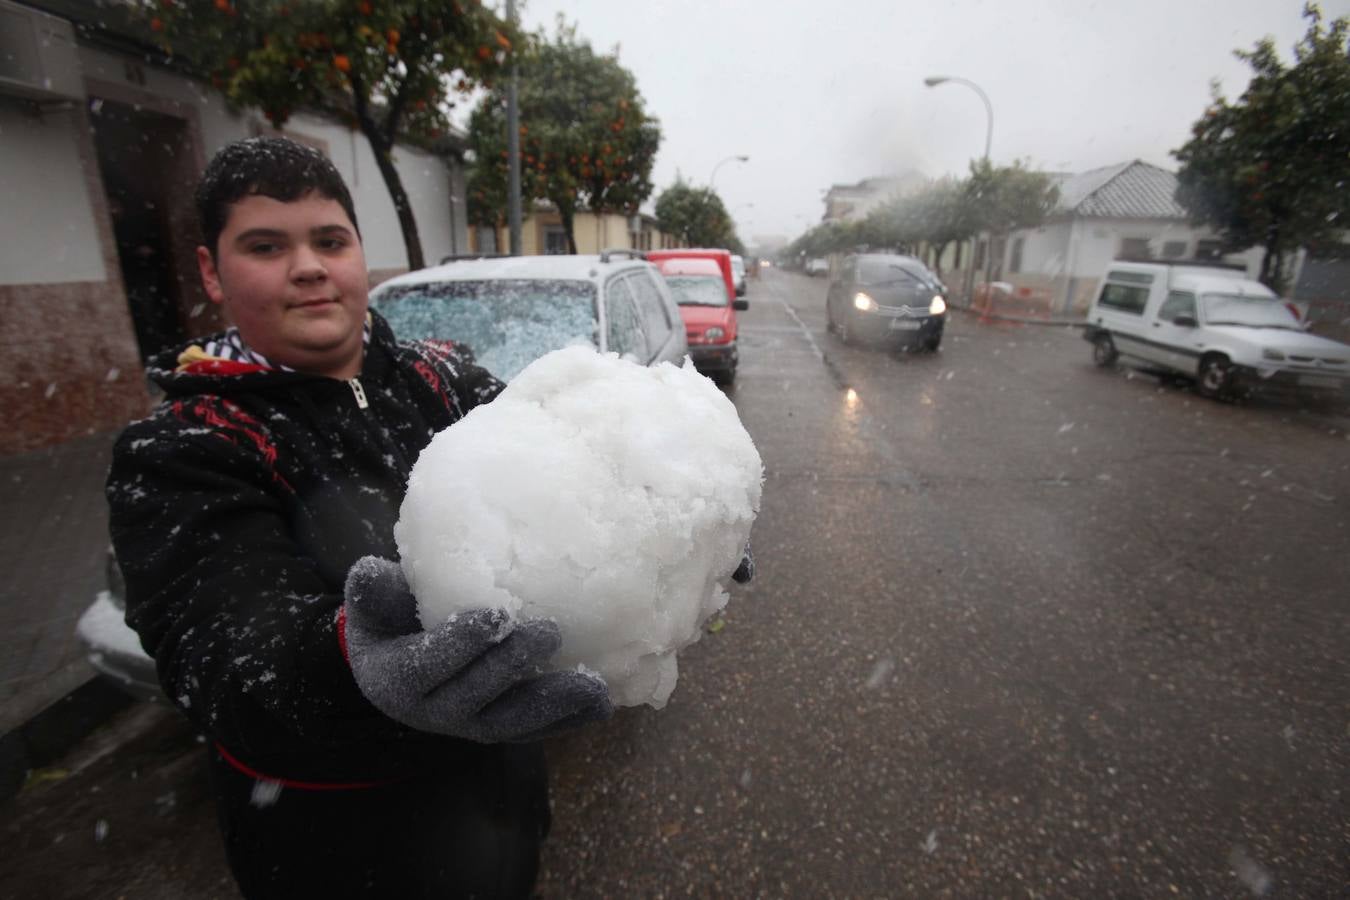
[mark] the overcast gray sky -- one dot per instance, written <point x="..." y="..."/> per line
<point x="821" y="92"/>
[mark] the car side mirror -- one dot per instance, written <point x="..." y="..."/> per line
<point x="740" y="304"/>
<point x="1185" y="321"/>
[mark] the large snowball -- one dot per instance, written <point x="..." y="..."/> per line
<point x="607" y="496"/>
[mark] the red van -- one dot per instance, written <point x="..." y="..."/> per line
<point x="705" y="290"/>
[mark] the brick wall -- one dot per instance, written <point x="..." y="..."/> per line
<point x="71" y="364"/>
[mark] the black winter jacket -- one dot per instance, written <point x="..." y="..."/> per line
<point x="237" y="508"/>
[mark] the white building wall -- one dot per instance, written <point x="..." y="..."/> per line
<point x="427" y="178"/>
<point x="1098" y="241"/>
<point x="49" y="234"/>
<point x="1044" y="250"/>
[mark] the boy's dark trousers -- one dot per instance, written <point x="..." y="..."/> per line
<point x="472" y="831"/>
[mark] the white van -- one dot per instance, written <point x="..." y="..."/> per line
<point x="1211" y="324"/>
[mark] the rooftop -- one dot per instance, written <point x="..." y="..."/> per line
<point x="1129" y="190"/>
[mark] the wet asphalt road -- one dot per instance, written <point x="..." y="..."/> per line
<point x="1021" y="627"/>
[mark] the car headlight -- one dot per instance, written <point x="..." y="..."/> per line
<point x="1269" y="353"/>
<point x="938" y="306"/>
<point x="864" y="302"/>
<point x="713" y="334"/>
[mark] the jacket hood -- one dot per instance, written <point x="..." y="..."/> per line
<point x="189" y="369"/>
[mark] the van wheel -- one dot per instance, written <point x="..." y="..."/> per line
<point x="1104" y="351"/>
<point x="1215" y="380"/>
<point x="725" y="379"/>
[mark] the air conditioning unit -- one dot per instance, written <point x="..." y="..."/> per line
<point x="38" y="60"/>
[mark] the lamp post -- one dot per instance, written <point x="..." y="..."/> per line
<point x="713" y="177"/>
<point x="934" y="81"/>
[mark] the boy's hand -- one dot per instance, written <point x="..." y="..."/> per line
<point x="478" y="676"/>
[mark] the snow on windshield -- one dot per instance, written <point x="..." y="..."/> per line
<point x="698" y="290"/>
<point x="507" y="323"/>
<point x="1257" y="312"/>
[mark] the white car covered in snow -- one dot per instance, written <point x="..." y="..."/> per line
<point x="1211" y="324"/>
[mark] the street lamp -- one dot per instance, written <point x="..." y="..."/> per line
<point x="935" y="80"/>
<point x="713" y="176"/>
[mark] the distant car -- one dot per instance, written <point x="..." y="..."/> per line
<point x="887" y="297"/>
<point x="1213" y="325"/>
<point x="817" y="266"/>
<point x="512" y="310"/>
<point x="709" y="313"/>
<point x="738" y="274"/>
<point x="111" y="647"/>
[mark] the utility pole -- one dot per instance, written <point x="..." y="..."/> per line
<point x="513" y="147"/>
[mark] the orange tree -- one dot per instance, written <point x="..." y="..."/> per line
<point x="386" y="67"/>
<point x="586" y="140"/>
<point x="1272" y="169"/>
<point x="697" y="217"/>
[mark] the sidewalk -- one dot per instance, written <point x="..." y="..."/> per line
<point x="51" y="568"/>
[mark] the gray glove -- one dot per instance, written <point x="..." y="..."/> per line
<point x="478" y="677"/>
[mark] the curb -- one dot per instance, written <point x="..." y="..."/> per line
<point x="52" y="733"/>
<point x="1023" y="320"/>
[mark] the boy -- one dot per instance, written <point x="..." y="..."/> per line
<point x="350" y="752"/>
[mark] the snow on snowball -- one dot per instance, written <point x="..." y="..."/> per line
<point x="605" y="495"/>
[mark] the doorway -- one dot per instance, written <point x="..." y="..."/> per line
<point x="147" y="164"/>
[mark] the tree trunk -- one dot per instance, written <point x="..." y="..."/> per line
<point x="412" y="241"/>
<point x="1272" y="262"/>
<point x="568" y="221"/>
<point x="940" y="249"/>
<point x="382" y="145"/>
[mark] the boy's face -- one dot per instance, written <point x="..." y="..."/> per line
<point x="292" y="278"/>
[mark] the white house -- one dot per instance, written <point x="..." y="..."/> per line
<point x="1122" y="211"/>
<point x="100" y="147"/>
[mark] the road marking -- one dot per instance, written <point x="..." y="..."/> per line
<point x="801" y="326"/>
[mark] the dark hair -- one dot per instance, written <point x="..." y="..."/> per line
<point x="273" y="167"/>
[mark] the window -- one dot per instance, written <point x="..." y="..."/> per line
<point x="1124" y="297"/>
<point x="1174" y="249"/>
<point x="623" y="326"/>
<point x="1178" y="303"/>
<point x="555" y="240"/>
<point x="1135" y="248"/>
<point x="1208" y="249"/>
<point x="652" y="307"/>
<point x="1015" y="258"/>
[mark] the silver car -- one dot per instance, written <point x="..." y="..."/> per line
<point x="512" y="310"/>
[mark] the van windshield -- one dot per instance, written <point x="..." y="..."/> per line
<point x="1252" y="312"/>
<point x="698" y="290"/>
